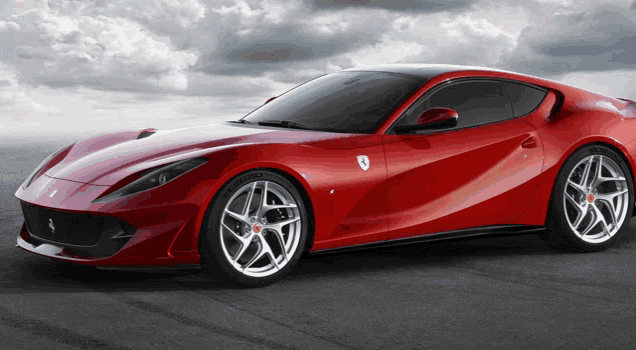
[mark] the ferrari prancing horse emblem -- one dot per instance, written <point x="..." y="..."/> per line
<point x="364" y="162"/>
<point x="51" y="226"/>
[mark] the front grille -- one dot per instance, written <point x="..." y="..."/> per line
<point x="85" y="235"/>
<point x="62" y="227"/>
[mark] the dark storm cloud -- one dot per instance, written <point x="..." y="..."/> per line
<point x="270" y="53"/>
<point x="273" y="48"/>
<point x="395" y="5"/>
<point x="602" y="39"/>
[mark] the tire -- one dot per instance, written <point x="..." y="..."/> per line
<point x="583" y="200"/>
<point x="254" y="245"/>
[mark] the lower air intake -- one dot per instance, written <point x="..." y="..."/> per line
<point x="82" y="234"/>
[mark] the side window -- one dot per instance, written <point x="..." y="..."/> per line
<point x="525" y="99"/>
<point x="476" y="103"/>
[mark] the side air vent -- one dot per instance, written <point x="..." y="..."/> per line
<point x="144" y="134"/>
<point x="560" y="99"/>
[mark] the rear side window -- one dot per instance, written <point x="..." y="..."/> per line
<point x="524" y="98"/>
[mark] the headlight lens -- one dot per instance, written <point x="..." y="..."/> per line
<point x="48" y="163"/>
<point x="155" y="178"/>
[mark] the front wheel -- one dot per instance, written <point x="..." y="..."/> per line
<point x="255" y="229"/>
<point x="592" y="201"/>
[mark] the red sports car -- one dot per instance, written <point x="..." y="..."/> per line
<point x="358" y="158"/>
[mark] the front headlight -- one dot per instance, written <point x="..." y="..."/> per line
<point x="153" y="179"/>
<point x="47" y="164"/>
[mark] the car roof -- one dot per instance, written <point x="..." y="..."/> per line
<point x="426" y="71"/>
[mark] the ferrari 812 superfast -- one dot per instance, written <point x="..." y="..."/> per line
<point x="358" y="158"/>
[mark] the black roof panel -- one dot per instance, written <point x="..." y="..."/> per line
<point x="426" y="71"/>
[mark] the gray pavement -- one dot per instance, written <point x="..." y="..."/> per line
<point x="507" y="292"/>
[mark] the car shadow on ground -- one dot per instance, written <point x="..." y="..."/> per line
<point x="28" y="273"/>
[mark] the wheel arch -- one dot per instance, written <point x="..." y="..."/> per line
<point x="563" y="236"/>
<point x="614" y="146"/>
<point x="301" y="187"/>
<point x="308" y="204"/>
<point x="624" y="156"/>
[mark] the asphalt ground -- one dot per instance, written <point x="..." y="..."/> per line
<point x="506" y="292"/>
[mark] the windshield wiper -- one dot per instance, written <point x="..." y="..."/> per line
<point x="240" y="121"/>
<point x="284" y="123"/>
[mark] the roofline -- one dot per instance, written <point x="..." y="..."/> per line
<point x="441" y="68"/>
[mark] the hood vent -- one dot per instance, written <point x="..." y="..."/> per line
<point x="144" y="134"/>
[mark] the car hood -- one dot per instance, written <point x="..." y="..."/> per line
<point x="106" y="159"/>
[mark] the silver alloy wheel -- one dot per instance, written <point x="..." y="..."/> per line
<point x="260" y="228"/>
<point x="596" y="198"/>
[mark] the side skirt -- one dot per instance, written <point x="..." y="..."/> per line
<point x="152" y="269"/>
<point x="475" y="232"/>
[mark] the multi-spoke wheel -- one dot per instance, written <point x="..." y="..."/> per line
<point x="255" y="230"/>
<point x="592" y="200"/>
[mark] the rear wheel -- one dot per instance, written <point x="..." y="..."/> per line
<point x="254" y="231"/>
<point x="592" y="201"/>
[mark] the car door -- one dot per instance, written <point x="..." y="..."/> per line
<point x="481" y="172"/>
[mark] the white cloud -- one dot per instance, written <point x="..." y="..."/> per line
<point x="619" y="83"/>
<point x="14" y="97"/>
<point x="388" y="51"/>
<point x="440" y="39"/>
<point x="160" y="15"/>
<point x="60" y="48"/>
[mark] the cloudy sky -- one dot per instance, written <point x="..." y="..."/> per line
<point x="84" y="66"/>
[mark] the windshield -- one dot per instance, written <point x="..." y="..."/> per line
<point x="350" y="102"/>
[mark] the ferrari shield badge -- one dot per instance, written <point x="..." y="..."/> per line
<point x="364" y="162"/>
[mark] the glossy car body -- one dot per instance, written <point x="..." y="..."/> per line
<point x="496" y="177"/>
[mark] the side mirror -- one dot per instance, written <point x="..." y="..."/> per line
<point x="269" y="100"/>
<point x="434" y="118"/>
<point x="438" y="118"/>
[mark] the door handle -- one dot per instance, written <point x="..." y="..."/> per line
<point x="529" y="143"/>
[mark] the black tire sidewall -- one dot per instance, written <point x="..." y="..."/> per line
<point x="558" y="233"/>
<point x="212" y="256"/>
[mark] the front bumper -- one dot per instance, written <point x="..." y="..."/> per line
<point x="142" y="232"/>
<point x="140" y="250"/>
